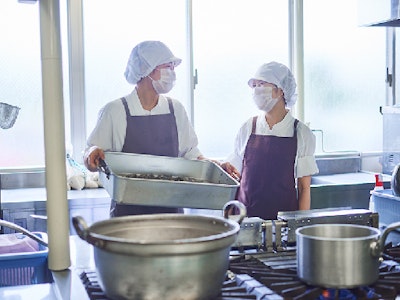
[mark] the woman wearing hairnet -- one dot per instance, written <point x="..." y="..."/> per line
<point x="273" y="149"/>
<point x="145" y="121"/>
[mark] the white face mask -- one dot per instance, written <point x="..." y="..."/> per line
<point x="166" y="81"/>
<point x="262" y="97"/>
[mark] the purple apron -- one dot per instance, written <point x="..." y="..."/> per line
<point x="267" y="184"/>
<point x="155" y="135"/>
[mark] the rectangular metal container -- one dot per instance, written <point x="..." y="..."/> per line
<point x="213" y="194"/>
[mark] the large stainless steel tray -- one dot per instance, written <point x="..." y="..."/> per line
<point x="218" y="189"/>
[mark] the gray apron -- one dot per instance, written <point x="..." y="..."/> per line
<point x="267" y="184"/>
<point x="155" y="135"/>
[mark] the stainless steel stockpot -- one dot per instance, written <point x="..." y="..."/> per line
<point x="340" y="255"/>
<point x="161" y="256"/>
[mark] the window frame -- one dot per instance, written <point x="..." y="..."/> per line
<point x="77" y="103"/>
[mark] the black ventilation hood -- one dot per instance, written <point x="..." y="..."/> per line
<point x="384" y="13"/>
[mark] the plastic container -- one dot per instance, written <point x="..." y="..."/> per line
<point x="387" y="206"/>
<point x="25" y="268"/>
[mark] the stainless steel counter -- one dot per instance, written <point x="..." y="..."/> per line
<point x="25" y="206"/>
<point x="349" y="178"/>
<point x="33" y="292"/>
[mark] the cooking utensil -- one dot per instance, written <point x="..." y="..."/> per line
<point x="104" y="168"/>
<point x="161" y="256"/>
<point x="340" y="255"/>
<point x="395" y="181"/>
<point x="23" y="230"/>
<point x="216" y="188"/>
<point x="41" y="217"/>
<point x="8" y="115"/>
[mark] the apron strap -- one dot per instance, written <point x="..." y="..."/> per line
<point x="171" y="107"/>
<point x="126" y="106"/>
<point x="295" y="127"/>
<point x="253" y="128"/>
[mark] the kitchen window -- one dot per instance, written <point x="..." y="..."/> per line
<point x="22" y="145"/>
<point x="344" y="72"/>
<point x="110" y="33"/>
<point x="229" y="45"/>
<point x="344" y="77"/>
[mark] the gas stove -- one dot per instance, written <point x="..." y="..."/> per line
<point x="271" y="276"/>
<point x="263" y="261"/>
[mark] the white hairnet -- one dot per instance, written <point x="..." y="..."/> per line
<point x="145" y="57"/>
<point x="281" y="76"/>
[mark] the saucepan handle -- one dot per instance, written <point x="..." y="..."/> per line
<point x="242" y="209"/>
<point x="378" y="247"/>
<point x="387" y="230"/>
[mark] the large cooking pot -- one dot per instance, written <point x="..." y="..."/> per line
<point x="340" y="255"/>
<point x="162" y="256"/>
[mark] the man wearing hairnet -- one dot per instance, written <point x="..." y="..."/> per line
<point x="145" y="121"/>
<point x="273" y="149"/>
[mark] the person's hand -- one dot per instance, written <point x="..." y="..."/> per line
<point x="91" y="158"/>
<point x="231" y="170"/>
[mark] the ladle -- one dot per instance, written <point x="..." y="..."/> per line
<point x="23" y="230"/>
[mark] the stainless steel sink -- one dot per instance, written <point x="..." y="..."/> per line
<point x="344" y="190"/>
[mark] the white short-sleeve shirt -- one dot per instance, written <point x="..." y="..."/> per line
<point x="305" y="163"/>
<point x="109" y="133"/>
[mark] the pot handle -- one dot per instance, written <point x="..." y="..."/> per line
<point x="81" y="227"/>
<point x="242" y="210"/>
<point x="378" y="247"/>
<point x="84" y="233"/>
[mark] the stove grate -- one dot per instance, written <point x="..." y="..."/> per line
<point x="285" y="282"/>
<point x="231" y="290"/>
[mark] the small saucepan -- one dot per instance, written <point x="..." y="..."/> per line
<point x="340" y="255"/>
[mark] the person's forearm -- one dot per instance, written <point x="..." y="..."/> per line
<point x="304" y="192"/>
<point x="304" y="200"/>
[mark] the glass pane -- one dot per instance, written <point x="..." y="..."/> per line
<point x="20" y="84"/>
<point x="344" y="76"/>
<point x="110" y="33"/>
<point x="231" y="40"/>
<point x="22" y="145"/>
